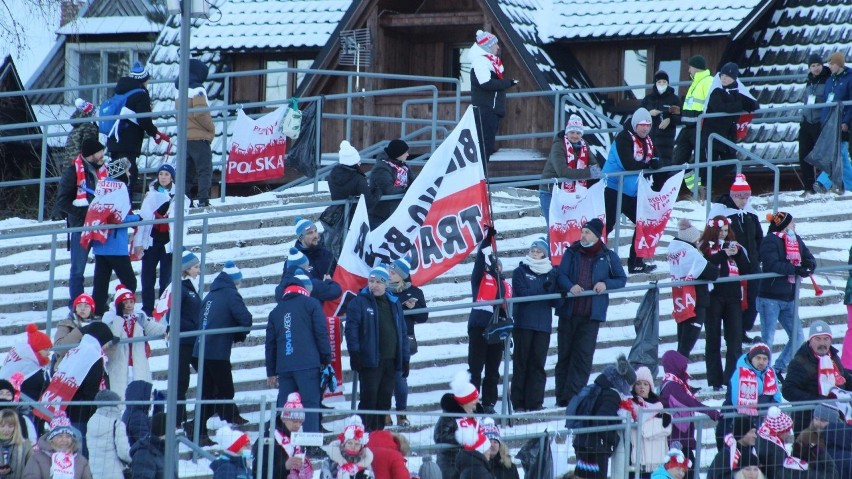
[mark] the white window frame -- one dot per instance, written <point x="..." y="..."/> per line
<point x="72" y="60"/>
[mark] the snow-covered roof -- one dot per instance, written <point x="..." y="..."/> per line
<point x="600" y="19"/>
<point x="109" y="25"/>
<point x="795" y="31"/>
<point x="270" y="24"/>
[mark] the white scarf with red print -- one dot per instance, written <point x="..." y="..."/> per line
<point x="643" y="148"/>
<point x="828" y="375"/>
<point x="790" y="462"/>
<point x="401" y="178"/>
<point x="80" y="173"/>
<point x="496" y="64"/>
<point x="791" y="248"/>
<point x="62" y="465"/>
<point x="576" y="161"/>
<point x="749" y="387"/>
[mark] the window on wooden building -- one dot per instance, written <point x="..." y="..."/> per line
<point x="282" y="85"/>
<point x="93" y="63"/>
<point x="459" y="66"/>
<point x="635" y="68"/>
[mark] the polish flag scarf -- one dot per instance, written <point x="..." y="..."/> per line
<point x="790" y="462"/>
<point x="791" y="248"/>
<point x="643" y="148"/>
<point x="62" y="465"/>
<point x="80" y="172"/>
<point x="828" y="375"/>
<point x="496" y="64"/>
<point x="576" y="161"/>
<point x="401" y="175"/>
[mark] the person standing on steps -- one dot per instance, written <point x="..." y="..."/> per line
<point x="70" y="330"/>
<point x="488" y="86"/>
<point x="199" y="134"/>
<point x="810" y="127"/>
<point x="80" y="132"/>
<point x="486" y="284"/>
<point x="190" y="313"/>
<point x="838" y="89"/>
<point x="391" y="175"/>
<point x="588" y="265"/>
<point x="694" y="104"/>
<point x="346" y="181"/>
<point x="664" y="106"/>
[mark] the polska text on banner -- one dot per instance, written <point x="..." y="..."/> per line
<point x="685" y="264"/>
<point x="440" y="219"/>
<point x="569" y="212"/>
<point x="653" y="210"/>
<point x="258" y="148"/>
<point x="110" y="206"/>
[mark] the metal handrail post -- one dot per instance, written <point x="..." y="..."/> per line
<point x="640" y="422"/>
<point x="318" y="140"/>
<point x="507" y="358"/>
<point x="349" y="109"/>
<point x="618" y="205"/>
<point x="227" y="93"/>
<point x="51" y="275"/>
<point x="699" y="442"/>
<point x="696" y="156"/>
<point x="42" y="177"/>
<point x="433" y="145"/>
<point x="196" y="413"/>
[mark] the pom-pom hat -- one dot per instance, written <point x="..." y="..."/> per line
<point x="231" y="270"/>
<point x="777" y="421"/>
<point x="123" y="294"/>
<point x="757" y="349"/>
<point x="188" y="260"/>
<point x="485" y="39"/>
<point x="687" y="232"/>
<point x="37" y="340"/>
<point x="60" y="424"/>
<point x="139" y="72"/>
<point x="676" y="458"/>
<point x="471" y="437"/>
<point x="305" y="280"/>
<point x="402" y="266"/>
<point x="348" y="155"/>
<point x="296" y="258"/>
<point x="292" y="408"/>
<point x="303" y="225"/>
<point x="541" y="244"/>
<point x="490" y="429"/>
<point x="85" y="106"/>
<point x="232" y="441"/>
<point x="380" y="273"/>
<point x="463" y="391"/>
<point x="574" y="124"/>
<point x="740" y="188"/>
<point x="354" y="429"/>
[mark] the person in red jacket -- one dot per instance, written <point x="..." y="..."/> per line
<point x="389" y="450"/>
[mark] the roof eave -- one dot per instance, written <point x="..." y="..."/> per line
<point x="748" y="22"/>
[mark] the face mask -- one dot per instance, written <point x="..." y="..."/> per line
<point x="246" y="454"/>
<point x="662" y="89"/>
<point x="587" y="245"/>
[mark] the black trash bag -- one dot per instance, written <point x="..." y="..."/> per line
<point x="536" y="458"/>
<point x="826" y="155"/>
<point x="645" y="350"/>
<point x="302" y="154"/>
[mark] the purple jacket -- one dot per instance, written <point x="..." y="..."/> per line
<point x="673" y="395"/>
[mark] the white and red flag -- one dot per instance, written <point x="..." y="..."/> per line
<point x="569" y="211"/>
<point x="109" y="207"/>
<point x="69" y="376"/>
<point x="257" y="148"/>
<point x="653" y="210"/>
<point x="685" y="264"/>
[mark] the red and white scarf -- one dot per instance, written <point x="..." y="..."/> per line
<point x="488" y="291"/>
<point x="748" y="390"/>
<point x="790" y="462"/>
<point x="733" y="270"/>
<point x="62" y="465"/>
<point x="828" y="375"/>
<point x="575" y="161"/>
<point x="734" y="451"/>
<point x="791" y="248"/>
<point x="80" y="172"/>
<point x="401" y="178"/>
<point x="129" y="325"/>
<point x="671" y="377"/>
<point x="643" y="148"/>
<point x="496" y="64"/>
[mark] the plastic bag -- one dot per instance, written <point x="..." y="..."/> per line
<point x="291" y="124"/>
<point x="536" y="458"/>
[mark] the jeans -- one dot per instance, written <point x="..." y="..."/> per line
<point x="544" y="198"/>
<point x="400" y="392"/>
<point x="771" y="312"/>
<point x="79" y="257"/>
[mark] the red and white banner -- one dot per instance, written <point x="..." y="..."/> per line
<point x="440" y="220"/>
<point x="110" y="206"/>
<point x="335" y="334"/>
<point x="743" y="124"/>
<point x="71" y="373"/>
<point x="257" y="148"/>
<point x="164" y="304"/>
<point x="569" y="212"/>
<point x="653" y="210"/>
<point x="685" y="264"/>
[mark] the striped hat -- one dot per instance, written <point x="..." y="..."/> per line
<point x="303" y="225"/>
<point x="231" y="270"/>
<point x="402" y="266"/>
<point x="122" y="294"/>
<point x="232" y="441"/>
<point x="305" y="280"/>
<point x="485" y="39"/>
<point x="380" y="273"/>
<point x="296" y="258"/>
<point x="289" y="411"/>
<point x="188" y="260"/>
<point x="777" y="422"/>
<point x="139" y="72"/>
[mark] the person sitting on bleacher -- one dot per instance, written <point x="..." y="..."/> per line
<point x="69" y="331"/>
<point x="738" y="443"/>
<point x="463" y="399"/>
<point x="288" y="459"/>
<point x="58" y="454"/>
<point x="771" y="447"/>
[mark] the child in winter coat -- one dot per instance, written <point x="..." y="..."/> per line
<point x="236" y="455"/>
<point x="25" y="363"/>
<point x="472" y="461"/>
<point x="57" y="454"/>
<point x="149" y="453"/>
<point x="129" y="361"/>
<point x="389" y="450"/>
<point x="348" y="456"/>
<point x="501" y="463"/>
<point x="464" y="399"/>
<point x="69" y="330"/>
<point x="106" y="436"/>
<point x="14" y="449"/>
<point x="655" y="429"/>
<point x="675" y="467"/>
<point x="288" y="459"/>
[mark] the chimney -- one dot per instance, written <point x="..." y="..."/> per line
<point x="69" y="10"/>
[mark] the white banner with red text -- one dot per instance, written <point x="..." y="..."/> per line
<point x="685" y="264"/>
<point x="257" y="148"/>
<point x="110" y="206"/>
<point x="653" y="210"/>
<point x="569" y="211"/>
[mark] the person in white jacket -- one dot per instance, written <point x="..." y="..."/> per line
<point x="109" y="449"/>
<point x="653" y="432"/>
<point x="129" y="361"/>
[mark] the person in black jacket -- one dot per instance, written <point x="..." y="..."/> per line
<point x="126" y="140"/>
<point x="463" y="399"/>
<point x="286" y="456"/>
<point x="664" y="105"/>
<point x="594" y="449"/>
<point x="149" y="453"/>
<point x="486" y="284"/>
<point x="719" y="246"/>
<point x="782" y="252"/>
<point x="158" y="245"/>
<point x="297" y="347"/>
<point x="810" y="127"/>
<point x="323" y="288"/>
<point x="137" y="417"/>
<point x="223" y="307"/>
<point x="76" y="191"/>
<point x="746" y="227"/>
<point x="488" y="86"/>
<point x="410" y="297"/>
<point x="190" y="312"/>
<point x="727" y="95"/>
<point x="473" y="460"/>
<point x="377" y="343"/>
<point x="346" y="181"/>
<point x="739" y="444"/>
<point x="322" y="261"/>
<point x="390" y="176"/>
<point x="533" y="325"/>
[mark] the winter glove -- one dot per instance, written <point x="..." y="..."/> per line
<point x="674" y="110"/>
<point x="239" y="337"/>
<point x="325" y="359"/>
<point x="160" y="136"/>
<point x="594" y="171"/>
<point x="667" y="419"/>
<point x="547" y="285"/>
<point x="655" y="163"/>
<point x="803" y="271"/>
<point x="406" y="368"/>
<point x="355" y="361"/>
<point x="489" y="233"/>
<point x="515" y="82"/>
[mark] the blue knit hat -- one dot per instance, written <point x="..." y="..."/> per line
<point x="303" y="225"/>
<point x="167" y="167"/>
<point x="231" y="270"/>
<point x="188" y="260"/>
<point x="380" y="273"/>
<point x="402" y="266"/>
<point x="302" y="276"/>
<point x="296" y="258"/>
<point x="139" y="72"/>
<point x="541" y="243"/>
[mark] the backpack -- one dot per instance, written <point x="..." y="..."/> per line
<point x="582" y="404"/>
<point x="113" y="106"/>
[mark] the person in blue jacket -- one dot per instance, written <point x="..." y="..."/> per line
<point x="297" y="347"/>
<point x="588" y="265"/>
<point x="149" y="453"/>
<point x="137" y="417"/>
<point x="114" y="253"/>
<point x="632" y="150"/>
<point x="377" y="343"/>
<point x="323" y="288"/>
<point x="236" y="456"/>
<point x="190" y="312"/>
<point x="533" y="325"/>
<point x="223" y="307"/>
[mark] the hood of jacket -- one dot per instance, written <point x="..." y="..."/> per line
<point x="821" y="78"/>
<point x="225" y="459"/>
<point x="154" y="444"/>
<point x="223" y="281"/>
<point x="125" y="84"/>
<point x="45" y="446"/>
<point x="341" y="175"/>
<point x="197" y="74"/>
<point x="675" y="363"/>
<point x="102" y="422"/>
<point x="610" y="378"/>
<point x="138" y="391"/>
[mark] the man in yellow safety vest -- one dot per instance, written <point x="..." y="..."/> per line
<point x="693" y="105"/>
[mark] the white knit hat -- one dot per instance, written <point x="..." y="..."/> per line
<point x="353" y="428"/>
<point x="575" y="123"/>
<point x="230" y="440"/>
<point x="348" y="154"/>
<point x="463" y="390"/>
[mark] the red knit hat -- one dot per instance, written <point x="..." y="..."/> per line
<point x="675" y="458"/>
<point x="122" y="294"/>
<point x="463" y="390"/>
<point x="777" y="421"/>
<point x="84" y="299"/>
<point x="740" y="188"/>
<point x="36" y="339"/>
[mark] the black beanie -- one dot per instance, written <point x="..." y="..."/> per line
<point x="814" y="58"/>
<point x="779" y="221"/>
<point x="697" y="61"/>
<point x="100" y="331"/>
<point x="90" y="147"/>
<point x="661" y="75"/>
<point x="396" y="148"/>
<point x="731" y="69"/>
<point x="740" y="426"/>
<point x="595" y="225"/>
<point x="5" y="385"/>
